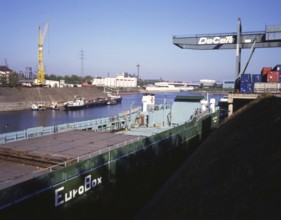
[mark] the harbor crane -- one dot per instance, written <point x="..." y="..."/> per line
<point x="269" y="38"/>
<point x="41" y="71"/>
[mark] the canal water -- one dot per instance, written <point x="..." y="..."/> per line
<point x="20" y="120"/>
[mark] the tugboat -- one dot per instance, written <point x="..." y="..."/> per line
<point x="77" y="103"/>
<point x="114" y="99"/>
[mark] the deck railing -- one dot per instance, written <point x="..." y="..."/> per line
<point x="103" y="123"/>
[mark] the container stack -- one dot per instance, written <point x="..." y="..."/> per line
<point x="246" y="85"/>
<point x="256" y="78"/>
<point x="269" y="80"/>
<point x="273" y="76"/>
<point x="264" y="72"/>
<point x="277" y="68"/>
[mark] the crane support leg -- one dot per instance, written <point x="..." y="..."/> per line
<point x="249" y="58"/>
<point x="238" y="48"/>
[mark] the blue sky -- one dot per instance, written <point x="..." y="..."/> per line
<point x="116" y="35"/>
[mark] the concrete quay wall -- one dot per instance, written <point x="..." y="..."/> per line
<point x="20" y="98"/>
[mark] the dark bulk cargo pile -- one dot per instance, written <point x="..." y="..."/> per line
<point x="268" y="81"/>
<point x="234" y="174"/>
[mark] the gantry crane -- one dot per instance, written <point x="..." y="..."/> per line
<point x="41" y="71"/>
<point x="269" y="38"/>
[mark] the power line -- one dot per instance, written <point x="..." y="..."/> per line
<point x="82" y="58"/>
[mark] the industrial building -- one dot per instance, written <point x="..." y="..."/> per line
<point x="4" y="70"/>
<point x="121" y="80"/>
<point x="228" y="84"/>
<point x="207" y="83"/>
<point x="4" y="74"/>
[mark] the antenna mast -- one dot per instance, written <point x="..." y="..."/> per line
<point x="138" y="70"/>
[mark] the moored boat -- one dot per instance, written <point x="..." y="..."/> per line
<point x="112" y="102"/>
<point x="54" y="106"/>
<point x="96" y="102"/>
<point x="117" y="98"/>
<point x="80" y="102"/>
<point x="77" y="103"/>
<point x="38" y="107"/>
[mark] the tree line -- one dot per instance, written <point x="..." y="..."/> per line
<point x="13" y="79"/>
<point x="72" y="79"/>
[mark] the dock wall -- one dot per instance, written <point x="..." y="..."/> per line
<point x="21" y="98"/>
<point x="237" y="100"/>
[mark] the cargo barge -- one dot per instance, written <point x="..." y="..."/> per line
<point x="79" y="102"/>
<point x="108" y="175"/>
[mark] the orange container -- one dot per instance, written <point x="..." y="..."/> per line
<point x="273" y="76"/>
<point x="265" y="70"/>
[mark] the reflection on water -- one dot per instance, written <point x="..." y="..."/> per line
<point x="20" y="120"/>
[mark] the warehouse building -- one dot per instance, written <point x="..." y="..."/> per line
<point x="121" y="80"/>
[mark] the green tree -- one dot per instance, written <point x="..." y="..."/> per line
<point x="140" y="82"/>
<point x="53" y="77"/>
<point x="73" y="79"/>
<point x="3" y="80"/>
<point x="88" y="80"/>
<point x="13" y="79"/>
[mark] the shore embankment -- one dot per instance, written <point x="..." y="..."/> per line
<point x="20" y="98"/>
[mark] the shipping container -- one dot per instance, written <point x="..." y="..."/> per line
<point x="259" y="87"/>
<point x="246" y="88"/>
<point x="256" y="78"/>
<point x="273" y="76"/>
<point x="272" y="87"/>
<point x="267" y="87"/>
<point x="277" y="68"/>
<point x="246" y="78"/>
<point x="265" y="70"/>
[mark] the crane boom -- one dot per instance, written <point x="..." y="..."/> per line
<point x="41" y="71"/>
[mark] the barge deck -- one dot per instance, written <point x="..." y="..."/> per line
<point x="21" y="160"/>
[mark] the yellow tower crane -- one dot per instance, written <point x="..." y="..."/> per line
<point x="41" y="71"/>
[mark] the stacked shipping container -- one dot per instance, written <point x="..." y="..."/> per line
<point x="264" y="73"/>
<point x="267" y="81"/>
<point x="271" y="74"/>
<point x="246" y="85"/>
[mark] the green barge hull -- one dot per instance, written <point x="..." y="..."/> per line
<point x="111" y="185"/>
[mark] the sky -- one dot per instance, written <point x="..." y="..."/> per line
<point x="117" y="35"/>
